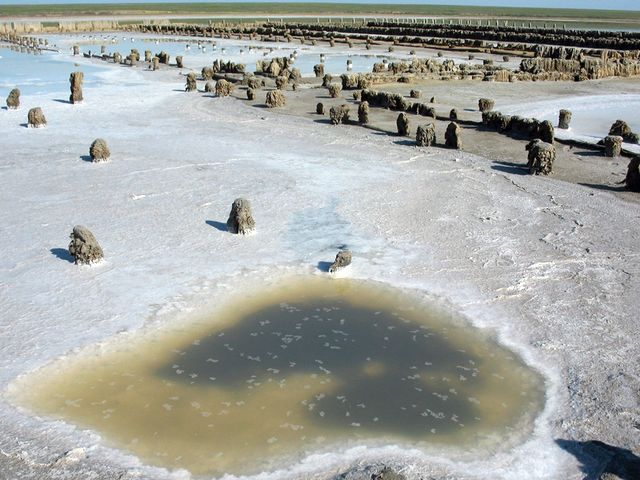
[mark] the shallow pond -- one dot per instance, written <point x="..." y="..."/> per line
<point x="40" y="73"/>
<point x="198" y="52"/>
<point x="312" y="365"/>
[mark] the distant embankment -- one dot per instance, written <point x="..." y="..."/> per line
<point x="418" y="31"/>
<point x="33" y="27"/>
<point x="304" y="8"/>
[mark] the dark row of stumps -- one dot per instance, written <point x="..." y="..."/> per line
<point x="541" y="134"/>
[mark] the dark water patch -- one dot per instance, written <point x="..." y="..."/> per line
<point x="383" y="372"/>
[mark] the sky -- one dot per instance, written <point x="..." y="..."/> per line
<point x="591" y="4"/>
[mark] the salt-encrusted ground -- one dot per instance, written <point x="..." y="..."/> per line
<point x="550" y="266"/>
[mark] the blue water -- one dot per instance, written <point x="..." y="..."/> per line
<point x="41" y="73"/>
<point x="48" y="72"/>
<point x="226" y="50"/>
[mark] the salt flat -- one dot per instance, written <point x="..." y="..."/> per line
<point x="551" y="267"/>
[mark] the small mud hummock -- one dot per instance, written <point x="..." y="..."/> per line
<point x="36" y="118"/>
<point x="84" y="247"/>
<point x="620" y="128"/>
<point x="541" y="157"/>
<point x="546" y="132"/>
<point x="485" y="105"/>
<point x="343" y="258"/>
<point x="192" y="84"/>
<point x="255" y="83"/>
<point x="99" y="151"/>
<point x="452" y="136"/>
<point x="75" y="80"/>
<point x="426" y="135"/>
<point x="224" y="88"/>
<point x="282" y="82"/>
<point x="13" y="100"/>
<point x="275" y="98"/>
<point x="402" y="123"/>
<point x="363" y="112"/>
<point x="564" y="119"/>
<point x="339" y="114"/>
<point x="240" y="218"/>
<point x="632" y="181"/>
<point x="612" y="145"/>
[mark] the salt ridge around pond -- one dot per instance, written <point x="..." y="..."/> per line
<point x="310" y="365"/>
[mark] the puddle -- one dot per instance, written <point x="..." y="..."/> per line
<point x="318" y="364"/>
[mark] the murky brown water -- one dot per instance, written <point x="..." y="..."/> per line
<point x="304" y="367"/>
